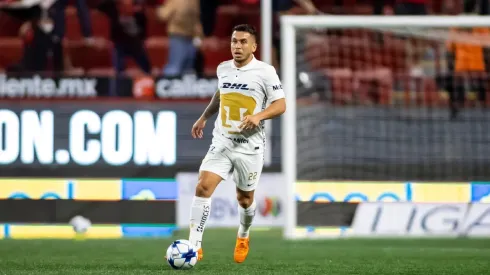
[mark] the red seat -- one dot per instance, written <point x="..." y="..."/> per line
<point x="74" y="72"/>
<point x="251" y="17"/>
<point x="88" y="57"/>
<point x="9" y="26"/>
<point x="225" y="18"/>
<point x="357" y="54"/>
<point x="107" y="71"/>
<point x="374" y="86"/>
<point x="231" y="15"/>
<point x="154" y="27"/>
<point x="215" y="51"/>
<point x="90" y="3"/>
<point x="11" y="50"/>
<point x="157" y="49"/>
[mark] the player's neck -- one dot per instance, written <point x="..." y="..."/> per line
<point x="244" y="63"/>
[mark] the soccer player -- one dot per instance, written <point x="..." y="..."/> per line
<point x="245" y="84"/>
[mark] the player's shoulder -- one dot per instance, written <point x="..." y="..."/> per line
<point x="224" y="65"/>
<point x="262" y="65"/>
<point x="264" y="69"/>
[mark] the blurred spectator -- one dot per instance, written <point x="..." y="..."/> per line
<point x="468" y="64"/>
<point x="411" y="7"/>
<point x="83" y="17"/>
<point x="208" y="15"/>
<point x="43" y="33"/>
<point x="480" y="7"/>
<point x="185" y="34"/>
<point x="208" y="21"/>
<point x="484" y="7"/>
<point x="402" y="7"/>
<point x="128" y="33"/>
<point x="38" y="36"/>
<point x="59" y="28"/>
<point x="283" y="7"/>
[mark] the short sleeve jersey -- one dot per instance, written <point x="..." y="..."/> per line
<point x="244" y="91"/>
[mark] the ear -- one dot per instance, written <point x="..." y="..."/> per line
<point x="254" y="47"/>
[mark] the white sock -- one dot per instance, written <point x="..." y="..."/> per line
<point x="246" y="218"/>
<point x="200" y="211"/>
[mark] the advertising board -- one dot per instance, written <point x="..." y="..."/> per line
<point x="422" y="220"/>
<point x="87" y="190"/>
<point x="366" y="191"/>
<point x="385" y="192"/>
<point x="103" y="139"/>
<point x="38" y="86"/>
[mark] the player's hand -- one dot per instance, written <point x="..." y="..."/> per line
<point x="249" y="123"/>
<point x="197" y="128"/>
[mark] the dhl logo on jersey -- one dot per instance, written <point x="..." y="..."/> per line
<point x="235" y="86"/>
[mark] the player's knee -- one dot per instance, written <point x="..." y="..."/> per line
<point x="203" y="189"/>
<point x="245" y="200"/>
<point x="206" y="185"/>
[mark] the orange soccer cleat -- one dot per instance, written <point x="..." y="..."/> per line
<point x="241" y="249"/>
<point x="199" y="254"/>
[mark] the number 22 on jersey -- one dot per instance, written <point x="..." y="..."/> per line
<point x="234" y="107"/>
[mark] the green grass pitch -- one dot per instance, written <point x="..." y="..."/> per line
<point x="269" y="255"/>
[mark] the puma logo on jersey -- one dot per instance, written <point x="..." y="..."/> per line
<point x="236" y="86"/>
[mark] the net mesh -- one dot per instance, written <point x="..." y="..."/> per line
<point x="393" y="104"/>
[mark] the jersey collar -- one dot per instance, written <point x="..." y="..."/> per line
<point x="249" y="66"/>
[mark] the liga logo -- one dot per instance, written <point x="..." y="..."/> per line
<point x="269" y="206"/>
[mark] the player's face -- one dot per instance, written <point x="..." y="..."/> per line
<point x="242" y="46"/>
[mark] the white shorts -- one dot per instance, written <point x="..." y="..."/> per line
<point x="246" y="168"/>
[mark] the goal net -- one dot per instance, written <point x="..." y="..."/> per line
<point x="377" y="105"/>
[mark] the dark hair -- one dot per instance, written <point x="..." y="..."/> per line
<point x="246" y="28"/>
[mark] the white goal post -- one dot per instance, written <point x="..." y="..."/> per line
<point x="291" y="26"/>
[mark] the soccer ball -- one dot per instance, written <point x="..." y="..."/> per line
<point x="181" y="254"/>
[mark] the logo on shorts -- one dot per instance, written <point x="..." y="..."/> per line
<point x="269" y="206"/>
<point x="240" y="140"/>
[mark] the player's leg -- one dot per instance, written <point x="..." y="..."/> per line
<point x="246" y="208"/>
<point x="214" y="168"/>
<point x="248" y="169"/>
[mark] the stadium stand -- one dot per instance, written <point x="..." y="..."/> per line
<point x="229" y="13"/>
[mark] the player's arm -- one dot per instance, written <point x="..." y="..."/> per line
<point x="275" y="94"/>
<point x="211" y="109"/>
<point x="277" y="108"/>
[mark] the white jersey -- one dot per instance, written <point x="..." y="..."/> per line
<point x="244" y="91"/>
